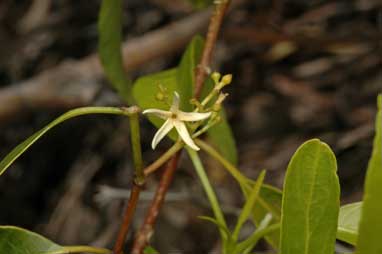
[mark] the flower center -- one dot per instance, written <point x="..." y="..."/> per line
<point x="174" y="116"/>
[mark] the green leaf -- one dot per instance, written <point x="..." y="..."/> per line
<point x="110" y="42"/>
<point x="249" y="204"/>
<point x="311" y="201"/>
<point x="186" y="71"/>
<point x="21" y="148"/>
<point x="222" y="137"/>
<point x="348" y="221"/>
<point x="146" y="88"/>
<point x="15" y="240"/>
<point x="370" y="227"/>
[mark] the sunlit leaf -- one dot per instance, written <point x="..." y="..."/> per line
<point x="21" y="148"/>
<point x="348" y="221"/>
<point x="370" y="228"/>
<point x="310" y="201"/>
<point x="110" y="42"/>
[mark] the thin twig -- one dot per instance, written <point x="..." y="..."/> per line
<point x="146" y="231"/>
<point x="138" y="182"/>
<point x="129" y="213"/>
<point x="212" y="34"/>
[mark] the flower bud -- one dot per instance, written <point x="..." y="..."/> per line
<point x="227" y="79"/>
<point x="215" y="77"/>
<point x="160" y="96"/>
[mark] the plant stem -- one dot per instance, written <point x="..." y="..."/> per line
<point x="242" y="180"/>
<point x="138" y="182"/>
<point x="146" y="231"/>
<point x="163" y="159"/>
<point x="209" y="191"/>
<point x="129" y="213"/>
<point x="136" y="148"/>
<point x="79" y="249"/>
<point x="212" y="34"/>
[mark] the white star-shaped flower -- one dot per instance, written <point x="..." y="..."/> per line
<point x="176" y="118"/>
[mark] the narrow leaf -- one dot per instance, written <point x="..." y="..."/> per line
<point x="310" y="201"/>
<point x="110" y="41"/>
<point x="370" y="228"/>
<point x="348" y="221"/>
<point x="21" y="148"/>
<point x="219" y="225"/>
<point x="249" y="204"/>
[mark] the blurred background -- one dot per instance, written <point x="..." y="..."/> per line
<point x="301" y="69"/>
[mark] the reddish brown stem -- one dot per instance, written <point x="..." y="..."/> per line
<point x="129" y="213"/>
<point x="212" y="35"/>
<point x="144" y="234"/>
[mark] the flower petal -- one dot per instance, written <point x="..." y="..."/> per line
<point x="175" y="103"/>
<point x="183" y="133"/>
<point x="162" y="132"/>
<point x="192" y="116"/>
<point x="157" y="112"/>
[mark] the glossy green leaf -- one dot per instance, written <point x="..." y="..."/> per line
<point x="21" y="148"/>
<point x="370" y="227"/>
<point x="110" y="42"/>
<point x="15" y="240"/>
<point x="348" y="221"/>
<point x="310" y="203"/>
